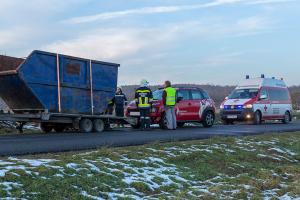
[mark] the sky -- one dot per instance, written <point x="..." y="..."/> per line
<point x="185" y="41"/>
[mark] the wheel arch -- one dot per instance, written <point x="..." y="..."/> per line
<point x="209" y="109"/>
<point x="258" y="110"/>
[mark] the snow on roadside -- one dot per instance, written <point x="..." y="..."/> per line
<point x="283" y="151"/>
<point x="37" y="162"/>
<point x="8" y="186"/>
<point x="153" y="170"/>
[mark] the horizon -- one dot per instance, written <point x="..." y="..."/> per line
<point x="157" y="85"/>
<point x="216" y="42"/>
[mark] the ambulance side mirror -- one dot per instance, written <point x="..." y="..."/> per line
<point x="179" y="99"/>
<point x="263" y="97"/>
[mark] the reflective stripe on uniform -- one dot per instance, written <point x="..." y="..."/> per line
<point x="143" y="101"/>
<point x="143" y="91"/>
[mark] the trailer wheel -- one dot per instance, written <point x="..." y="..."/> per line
<point x="86" y="125"/>
<point x="59" y="128"/>
<point x="46" y="128"/>
<point x="98" y="125"/>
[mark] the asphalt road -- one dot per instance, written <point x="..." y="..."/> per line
<point x="58" y="142"/>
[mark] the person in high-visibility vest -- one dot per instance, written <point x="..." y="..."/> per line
<point x="143" y="99"/>
<point x="169" y="100"/>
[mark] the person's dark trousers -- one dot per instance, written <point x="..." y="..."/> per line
<point x="119" y="110"/>
<point x="145" y="118"/>
<point x="109" y="110"/>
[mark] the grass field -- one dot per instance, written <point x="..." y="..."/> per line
<point x="255" y="167"/>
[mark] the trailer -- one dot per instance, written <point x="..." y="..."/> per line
<point x="58" y="91"/>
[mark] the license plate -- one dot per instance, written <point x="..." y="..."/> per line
<point x="135" y="114"/>
<point x="232" y="117"/>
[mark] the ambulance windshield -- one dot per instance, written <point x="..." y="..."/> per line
<point x="243" y="94"/>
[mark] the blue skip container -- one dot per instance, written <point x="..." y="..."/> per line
<point x="57" y="83"/>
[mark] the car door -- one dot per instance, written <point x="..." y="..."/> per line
<point x="183" y="106"/>
<point x="264" y="105"/>
<point x="284" y="101"/>
<point x="275" y="102"/>
<point x="196" y="104"/>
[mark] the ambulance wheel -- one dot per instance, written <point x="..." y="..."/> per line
<point x="180" y="124"/>
<point x="98" y="125"/>
<point x="163" y="123"/>
<point x="86" y="125"/>
<point x="287" y="118"/>
<point x="209" y="119"/>
<point x="257" y="118"/>
<point x="46" y="128"/>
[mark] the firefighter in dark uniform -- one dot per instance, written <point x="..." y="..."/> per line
<point x="143" y="99"/>
<point x="120" y="100"/>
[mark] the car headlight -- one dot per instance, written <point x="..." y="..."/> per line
<point x="249" y="106"/>
<point x="221" y="106"/>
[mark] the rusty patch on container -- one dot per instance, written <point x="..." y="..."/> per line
<point x="8" y="63"/>
<point x="73" y="68"/>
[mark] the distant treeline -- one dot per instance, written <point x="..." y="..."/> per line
<point x="218" y="93"/>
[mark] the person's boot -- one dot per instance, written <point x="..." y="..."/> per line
<point x="148" y="125"/>
<point x="142" y="124"/>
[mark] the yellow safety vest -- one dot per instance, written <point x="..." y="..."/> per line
<point x="171" y="96"/>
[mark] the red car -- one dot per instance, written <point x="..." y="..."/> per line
<point x="193" y="105"/>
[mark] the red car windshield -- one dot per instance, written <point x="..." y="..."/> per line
<point x="157" y="95"/>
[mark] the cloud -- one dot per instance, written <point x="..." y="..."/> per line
<point x="9" y="6"/>
<point x="163" y="9"/>
<point x="255" y="2"/>
<point x="147" y="10"/>
<point x="220" y="60"/>
<point x="109" y="44"/>
<point x="14" y="37"/>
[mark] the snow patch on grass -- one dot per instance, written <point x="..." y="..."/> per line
<point x="8" y="186"/>
<point x="156" y="173"/>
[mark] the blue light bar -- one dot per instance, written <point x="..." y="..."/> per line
<point x="233" y="107"/>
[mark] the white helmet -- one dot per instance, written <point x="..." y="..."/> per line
<point x="144" y="83"/>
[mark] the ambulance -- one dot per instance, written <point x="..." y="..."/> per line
<point x="257" y="100"/>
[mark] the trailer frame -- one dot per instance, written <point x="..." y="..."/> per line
<point x="48" y="119"/>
